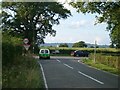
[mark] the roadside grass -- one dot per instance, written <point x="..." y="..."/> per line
<point x="23" y="73"/>
<point x="101" y="66"/>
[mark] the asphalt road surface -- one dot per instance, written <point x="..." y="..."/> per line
<point x="70" y="72"/>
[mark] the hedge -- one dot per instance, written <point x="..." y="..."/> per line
<point x="65" y="50"/>
<point x="11" y="48"/>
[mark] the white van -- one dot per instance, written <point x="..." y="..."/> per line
<point x="44" y="53"/>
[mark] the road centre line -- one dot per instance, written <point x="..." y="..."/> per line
<point x="90" y="77"/>
<point x="43" y="74"/>
<point x="68" y="66"/>
<point x="58" y="60"/>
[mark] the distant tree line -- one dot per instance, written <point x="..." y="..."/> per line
<point x="80" y="44"/>
<point x="63" y="45"/>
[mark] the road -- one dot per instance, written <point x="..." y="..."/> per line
<point x="70" y="72"/>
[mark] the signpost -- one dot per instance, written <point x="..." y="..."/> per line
<point x="26" y="45"/>
<point x="26" y="40"/>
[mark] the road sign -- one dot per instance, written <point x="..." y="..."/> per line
<point x="26" y="40"/>
<point x="26" y="46"/>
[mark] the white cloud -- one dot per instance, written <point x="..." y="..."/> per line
<point x="78" y="24"/>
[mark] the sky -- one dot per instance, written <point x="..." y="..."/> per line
<point x="79" y="27"/>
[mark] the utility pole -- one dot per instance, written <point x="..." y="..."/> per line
<point x="33" y="41"/>
<point x="95" y="51"/>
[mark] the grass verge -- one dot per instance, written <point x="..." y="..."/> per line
<point x="101" y="66"/>
<point x="23" y="73"/>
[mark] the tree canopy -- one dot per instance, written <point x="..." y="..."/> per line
<point x="79" y="44"/>
<point x="63" y="45"/>
<point x="32" y="20"/>
<point x="108" y="12"/>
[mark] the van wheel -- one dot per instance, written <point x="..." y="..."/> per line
<point x="39" y="57"/>
<point x="48" y="57"/>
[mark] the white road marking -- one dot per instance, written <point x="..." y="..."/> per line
<point x="58" y="60"/>
<point x="45" y="82"/>
<point x="68" y="66"/>
<point x="90" y="77"/>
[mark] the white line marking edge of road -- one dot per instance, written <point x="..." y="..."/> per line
<point x="90" y="77"/>
<point x="45" y="82"/>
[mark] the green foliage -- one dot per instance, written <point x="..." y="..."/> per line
<point x="63" y="45"/>
<point x="108" y="60"/>
<point x="36" y="49"/>
<point x="79" y="44"/>
<point x="27" y="19"/>
<point x="11" y="48"/>
<point x="111" y="45"/>
<point x="108" y="12"/>
<point x="25" y="74"/>
<point x="115" y="36"/>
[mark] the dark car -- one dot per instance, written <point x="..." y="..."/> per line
<point x="79" y="53"/>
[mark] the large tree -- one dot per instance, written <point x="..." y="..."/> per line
<point x="108" y="12"/>
<point x="32" y="20"/>
<point x="79" y="44"/>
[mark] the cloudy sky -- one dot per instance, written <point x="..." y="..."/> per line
<point x="79" y="27"/>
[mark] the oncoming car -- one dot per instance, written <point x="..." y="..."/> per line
<point x="44" y="53"/>
<point x="79" y="53"/>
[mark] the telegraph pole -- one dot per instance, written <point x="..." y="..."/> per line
<point x="33" y="41"/>
<point x="95" y="51"/>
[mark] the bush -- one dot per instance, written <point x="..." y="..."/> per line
<point x="11" y="48"/>
<point x="22" y="75"/>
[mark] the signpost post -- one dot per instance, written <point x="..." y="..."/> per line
<point x="95" y="51"/>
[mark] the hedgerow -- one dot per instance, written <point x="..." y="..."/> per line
<point x="11" y="48"/>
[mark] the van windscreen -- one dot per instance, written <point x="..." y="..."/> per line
<point x="46" y="51"/>
<point x="42" y="51"/>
